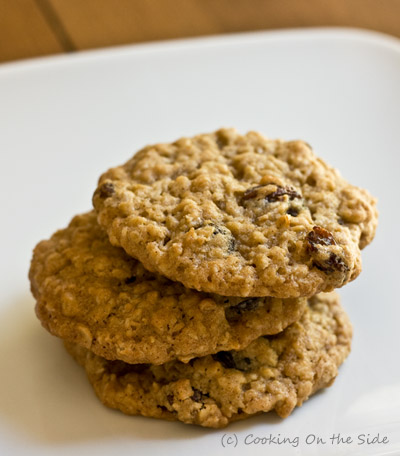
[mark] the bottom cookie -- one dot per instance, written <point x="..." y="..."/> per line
<point x="273" y="373"/>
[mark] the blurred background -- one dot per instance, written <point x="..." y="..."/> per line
<point x="33" y="28"/>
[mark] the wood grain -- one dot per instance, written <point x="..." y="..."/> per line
<point x="94" y="23"/>
<point x="24" y="32"/>
<point x="37" y="27"/>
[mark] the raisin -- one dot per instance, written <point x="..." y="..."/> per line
<point x="338" y="263"/>
<point x="219" y="230"/>
<point x="280" y="192"/>
<point x="106" y="190"/>
<point x="170" y="398"/>
<point x="231" y="241"/>
<point x="332" y="264"/>
<point x="293" y="211"/>
<point x="130" y="280"/>
<point x="233" y="313"/>
<point x="164" y="409"/>
<point x="243" y="364"/>
<point x="231" y="245"/>
<point x="319" y="236"/>
<point x="251" y="192"/>
<point x="277" y="195"/>
<point x="226" y="359"/>
<point x="247" y="304"/>
<point x="198" y="396"/>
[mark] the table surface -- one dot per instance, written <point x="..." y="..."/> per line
<point x="31" y="28"/>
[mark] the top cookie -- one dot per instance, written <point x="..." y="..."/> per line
<point x="238" y="215"/>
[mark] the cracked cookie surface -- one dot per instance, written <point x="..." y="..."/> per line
<point x="273" y="373"/>
<point x="238" y="215"/>
<point x="94" y="294"/>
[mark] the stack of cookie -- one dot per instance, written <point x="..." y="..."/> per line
<point x="190" y="291"/>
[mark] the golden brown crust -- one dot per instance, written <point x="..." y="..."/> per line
<point x="94" y="294"/>
<point x="238" y="215"/>
<point x="273" y="373"/>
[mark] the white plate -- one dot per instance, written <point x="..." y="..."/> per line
<point x="64" y="120"/>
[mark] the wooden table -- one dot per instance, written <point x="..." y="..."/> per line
<point x="31" y="28"/>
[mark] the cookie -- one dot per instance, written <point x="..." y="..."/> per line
<point x="94" y="294"/>
<point x="238" y="215"/>
<point x="273" y="373"/>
